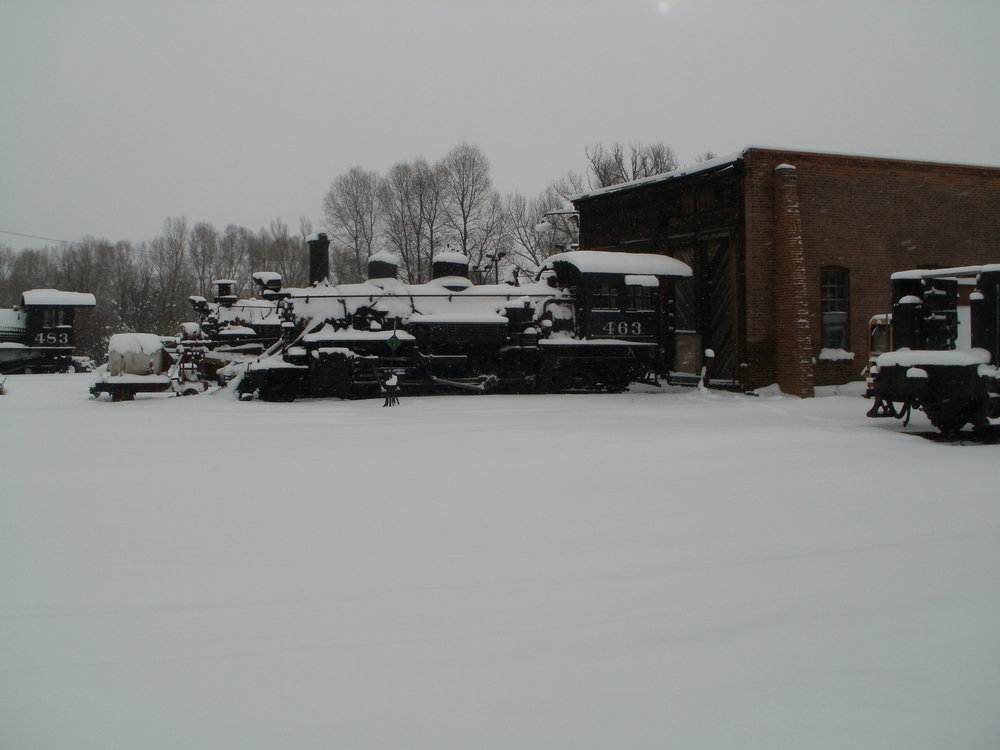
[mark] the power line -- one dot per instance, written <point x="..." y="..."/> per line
<point x="37" y="237"/>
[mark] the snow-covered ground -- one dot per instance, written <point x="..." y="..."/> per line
<point x="645" y="570"/>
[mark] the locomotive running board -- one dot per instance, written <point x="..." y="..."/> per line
<point x="485" y="383"/>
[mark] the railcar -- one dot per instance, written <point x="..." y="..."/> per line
<point x="38" y="334"/>
<point x="945" y="327"/>
<point x="589" y="321"/>
<point x="146" y="363"/>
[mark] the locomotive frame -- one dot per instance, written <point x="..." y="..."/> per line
<point x="946" y="348"/>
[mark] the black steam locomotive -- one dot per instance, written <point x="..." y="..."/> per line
<point x="945" y="334"/>
<point x="590" y="321"/>
<point x="37" y="335"/>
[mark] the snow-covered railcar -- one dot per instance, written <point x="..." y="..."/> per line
<point x="946" y="348"/>
<point x="38" y="334"/>
<point x="590" y="320"/>
<point x="142" y="363"/>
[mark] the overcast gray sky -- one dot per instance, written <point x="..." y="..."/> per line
<point x="115" y="114"/>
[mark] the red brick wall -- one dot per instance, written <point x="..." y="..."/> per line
<point x="871" y="216"/>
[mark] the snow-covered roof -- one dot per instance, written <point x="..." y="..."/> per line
<point x="921" y="273"/>
<point x="705" y="166"/>
<point x="53" y="297"/>
<point x="641" y="280"/>
<point x="931" y="357"/>
<point x="633" y="264"/>
<point x="265" y="277"/>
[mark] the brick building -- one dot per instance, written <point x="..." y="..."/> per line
<point x="792" y="251"/>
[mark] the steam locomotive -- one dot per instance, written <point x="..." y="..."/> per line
<point x="37" y="335"/>
<point x="590" y="320"/>
<point x="945" y="341"/>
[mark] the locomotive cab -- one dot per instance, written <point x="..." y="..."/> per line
<point x="623" y="297"/>
<point x="38" y="335"/>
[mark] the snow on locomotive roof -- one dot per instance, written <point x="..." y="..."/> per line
<point x="53" y="297"/>
<point x="931" y="357"/>
<point x="263" y="277"/>
<point x="636" y="280"/>
<point x="921" y="273"/>
<point x="458" y="316"/>
<point x="632" y="264"/>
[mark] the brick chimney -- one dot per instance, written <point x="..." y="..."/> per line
<point x="794" y="334"/>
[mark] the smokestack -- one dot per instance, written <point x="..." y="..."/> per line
<point x="450" y="263"/>
<point x="319" y="258"/>
<point x="383" y="265"/>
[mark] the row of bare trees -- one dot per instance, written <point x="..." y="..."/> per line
<point x="418" y="209"/>
<point x="145" y="286"/>
<point x="415" y="210"/>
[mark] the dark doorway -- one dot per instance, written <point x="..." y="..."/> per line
<point x="705" y="301"/>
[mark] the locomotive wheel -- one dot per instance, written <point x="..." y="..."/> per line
<point x="993" y="408"/>
<point x="281" y="390"/>
<point x="950" y="420"/>
<point x="616" y="382"/>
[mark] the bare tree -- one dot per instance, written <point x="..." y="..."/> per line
<point x="546" y="224"/>
<point x="203" y="249"/>
<point x="285" y="254"/>
<point x="352" y="212"/>
<point x="6" y="264"/>
<point x="135" y="306"/>
<point x="305" y="230"/>
<point x="234" y="261"/>
<point x="468" y="192"/>
<point x="491" y="242"/>
<point x="402" y="222"/>
<point x="618" y="164"/>
<point x="170" y="271"/>
<point x="429" y="188"/>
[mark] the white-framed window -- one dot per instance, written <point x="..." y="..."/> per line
<point x="835" y="302"/>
